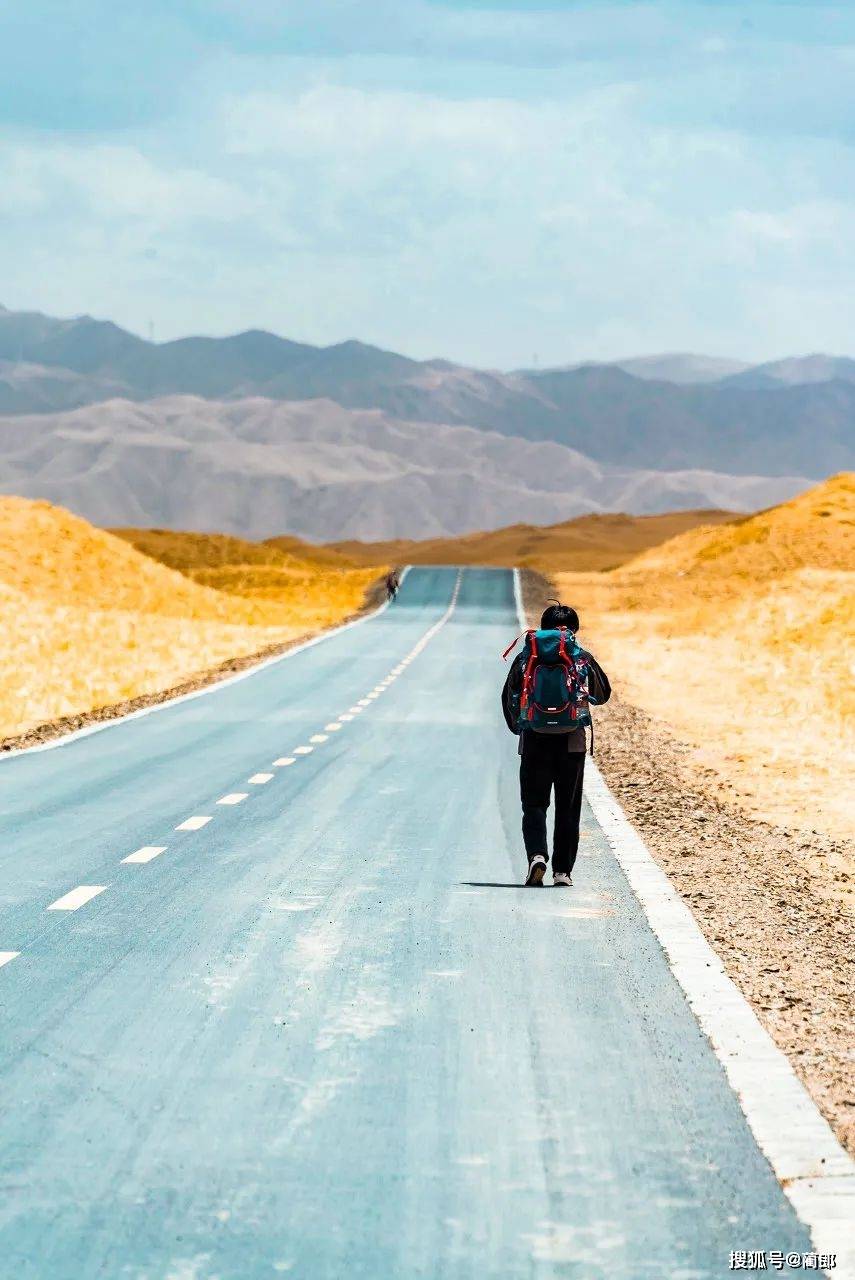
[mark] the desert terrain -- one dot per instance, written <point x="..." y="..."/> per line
<point x="590" y="543"/>
<point x="90" y="622"/>
<point x="97" y="620"/>
<point x="739" y="638"/>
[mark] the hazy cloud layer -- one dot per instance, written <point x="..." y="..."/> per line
<point x="493" y="183"/>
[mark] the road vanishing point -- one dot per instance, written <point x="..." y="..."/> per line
<point x="274" y="1002"/>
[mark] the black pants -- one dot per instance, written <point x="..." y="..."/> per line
<point x="546" y="764"/>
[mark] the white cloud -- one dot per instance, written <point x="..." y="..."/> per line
<point x="347" y="121"/>
<point x="497" y="181"/>
<point x="477" y="227"/>
<point x="109" y="181"/>
<point x="814" y="221"/>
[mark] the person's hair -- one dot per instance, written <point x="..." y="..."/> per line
<point x="559" y="615"/>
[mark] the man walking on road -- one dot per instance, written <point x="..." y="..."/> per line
<point x="393" y="582"/>
<point x="545" y="701"/>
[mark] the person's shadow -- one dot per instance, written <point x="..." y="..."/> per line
<point x="496" y="884"/>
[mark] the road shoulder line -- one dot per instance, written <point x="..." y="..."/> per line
<point x="814" y="1171"/>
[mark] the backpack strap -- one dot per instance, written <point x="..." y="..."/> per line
<point x="512" y="645"/>
<point x="529" y="671"/>
<point x="563" y="651"/>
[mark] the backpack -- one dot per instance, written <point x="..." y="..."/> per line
<point x="554" y="695"/>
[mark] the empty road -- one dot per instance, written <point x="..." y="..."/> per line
<point x="274" y="1003"/>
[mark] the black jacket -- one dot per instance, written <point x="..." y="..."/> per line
<point x="599" y="689"/>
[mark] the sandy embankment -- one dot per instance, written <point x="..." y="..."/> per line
<point x="92" y="625"/>
<point x="730" y="744"/>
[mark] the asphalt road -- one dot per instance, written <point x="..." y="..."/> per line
<point x="326" y="1034"/>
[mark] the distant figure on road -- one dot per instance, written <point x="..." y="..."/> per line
<point x="546" y="701"/>
<point x="393" y="582"/>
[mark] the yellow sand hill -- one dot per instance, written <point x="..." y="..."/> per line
<point x="741" y="638"/>
<point x="815" y="530"/>
<point x="284" y="572"/>
<point x="586" y="543"/>
<point x="88" y="620"/>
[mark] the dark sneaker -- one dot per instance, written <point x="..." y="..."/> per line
<point x="536" y="871"/>
<point x="563" y="878"/>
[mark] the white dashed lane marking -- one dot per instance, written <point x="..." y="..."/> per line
<point x="77" y="897"/>
<point x="194" y="823"/>
<point x="84" y="893"/>
<point x="146" y="854"/>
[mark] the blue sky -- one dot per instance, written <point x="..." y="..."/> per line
<point x="495" y="182"/>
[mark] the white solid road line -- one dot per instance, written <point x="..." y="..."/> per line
<point x="77" y="897"/>
<point x="259" y="779"/>
<point x="363" y="702"/>
<point x="815" y="1172"/>
<point x="284" y="761"/>
<point x="234" y="797"/>
<point x="6" y="956"/>
<point x="194" y="823"/>
<point x="146" y="854"/>
<point x="303" y="751"/>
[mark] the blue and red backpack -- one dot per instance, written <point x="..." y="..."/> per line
<point x="554" y="693"/>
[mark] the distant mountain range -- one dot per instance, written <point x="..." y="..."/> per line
<point x="680" y="367"/>
<point x="258" y="467"/>
<point x="651" y="431"/>
<point x="688" y="369"/>
<point x="795" y="372"/>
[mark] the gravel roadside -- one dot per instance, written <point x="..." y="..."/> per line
<point x="770" y="901"/>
